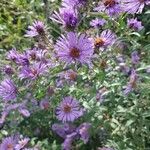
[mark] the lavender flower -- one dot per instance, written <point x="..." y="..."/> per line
<point x="44" y="104"/>
<point x="22" y="143"/>
<point x="134" y="24"/>
<point x="32" y="72"/>
<point x="134" y="6"/>
<point x="96" y="23"/>
<point x="107" y="38"/>
<point x="24" y="112"/>
<point x="74" y="48"/>
<point x="63" y="129"/>
<point x="12" y="55"/>
<point x="110" y="7"/>
<point x="37" y="28"/>
<point x="8" y="143"/>
<point x="68" y="141"/>
<point x="69" y="110"/>
<point x="8" y="90"/>
<point x="83" y="131"/>
<point x="67" y="17"/>
<point x="135" y="57"/>
<point x="8" y="70"/>
<point x="36" y="54"/>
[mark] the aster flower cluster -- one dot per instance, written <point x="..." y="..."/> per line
<point x="66" y="87"/>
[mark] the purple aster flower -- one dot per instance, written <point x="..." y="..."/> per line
<point x="32" y="72"/>
<point x="134" y="6"/>
<point x="37" y="28"/>
<point x="107" y="38"/>
<point x="69" y="110"/>
<point x="12" y="55"/>
<point x="8" y="90"/>
<point x="36" y="54"/>
<point x="134" y="24"/>
<point x="67" y="17"/>
<point x="135" y="57"/>
<point x="44" y="104"/>
<point x="63" y="129"/>
<point x="132" y="82"/>
<point x="24" y="112"/>
<point x="8" y="70"/>
<point x="68" y="141"/>
<point x="8" y="143"/>
<point x="22" y="143"/>
<point x="70" y="75"/>
<point x="110" y="7"/>
<point x="97" y="22"/>
<point x="74" y="48"/>
<point x="83" y="131"/>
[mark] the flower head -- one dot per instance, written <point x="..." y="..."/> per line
<point x="44" y="104"/>
<point x="22" y="143"/>
<point x="69" y="110"/>
<point x="37" y="28"/>
<point x="107" y="38"/>
<point x="134" y="6"/>
<point x="8" y="70"/>
<point x="67" y="17"/>
<point x="110" y="7"/>
<point x="32" y="72"/>
<point x="74" y="48"/>
<point x="134" y="24"/>
<point x="63" y="129"/>
<point x="8" y="143"/>
<point x="83" y="131"/>
<point x="97" y="22"/>
<point x="8" y="90"/>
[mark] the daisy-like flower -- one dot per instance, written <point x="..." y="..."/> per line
<point x="69" y="110"/>
<point x="107" y="38"/>
<point x="63" y="129"/>
<point x="24" y="112"/>
<point x="97" y="23"/>
<point x="110" y="7"/>
<point x="134" y="24"/>
<point x="134" y="6"/>
<point x="44" y="104"/>
<point x="8" y="90"/>
<point x="13" y="55"/>
<point x="66" y="16"/>
<point x="74" y="48"/>
<point x="22" y="143"/>
<point x="8" y="70"/>
<point x="67" y="144"/>
<point x="8" y="143"/>
<point x="83" y="131"/>
<point x="32" y="72"/>
<point x="37" y="28"/>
